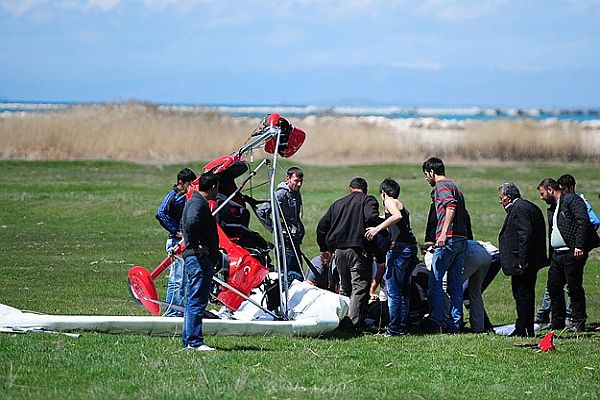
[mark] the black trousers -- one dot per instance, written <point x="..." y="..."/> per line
<point x="523" y="288"/>
<point x="565" y="269"/>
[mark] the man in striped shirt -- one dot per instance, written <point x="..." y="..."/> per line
<point x="450" y="246"/>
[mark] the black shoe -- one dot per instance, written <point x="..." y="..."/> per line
<point x="522" y="333"/>
<point x="542" y="318"/>
<point x="557" y="325"/>
<point x="517" y="333"/>
<point x="428" y="327"/>
<point x="576" y="327"/>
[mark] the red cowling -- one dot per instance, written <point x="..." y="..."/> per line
<point x="288" y="144"/>
<point x="274" y="119"/>
<point x="192" y="188"/>
<point x="221" y="163"/>
<point x="245" y="272"/>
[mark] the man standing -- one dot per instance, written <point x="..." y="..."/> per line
<point x="450" y="246"/>
<point x="290" y="208"/>
<point x="571" y="239"/>
<point x="567" y="183"/>
<point x="522" y="252"/>
<point x="342" y="230"/>
<point x="200" y="255"/>
<point x="290" y="202"/>
<point x="169" y="215"/>
<point x="401" y="257"/>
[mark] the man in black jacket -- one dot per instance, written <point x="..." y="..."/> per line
<point x="571" y="239"/>
<point x="522" y="252"/>
<point x="342" y="230"/>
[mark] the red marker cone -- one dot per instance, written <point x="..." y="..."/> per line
<point x="547" y="342"/>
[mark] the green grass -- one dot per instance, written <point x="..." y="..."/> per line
<point x="69" y="231"/>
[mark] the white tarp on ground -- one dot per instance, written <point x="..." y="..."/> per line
<point x="315" y="312"/>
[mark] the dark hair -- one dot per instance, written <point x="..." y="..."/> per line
<point x="548" y="183"/>
<point x="510" y="190"/>
<point x="207" y="181"/>
<point x="295" y="171"/>
<point x="390" y="187"/>
<point x="359" y="183"/>
<point x="186" y="175"/>
<point x="434" y="164"/>
<point x="566" y="181"/>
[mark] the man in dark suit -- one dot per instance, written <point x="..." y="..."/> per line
<point x="571" y="239"/>
<point x="522" y="252"/>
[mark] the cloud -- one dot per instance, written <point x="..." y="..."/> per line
<point x="419" y="66"/>
<point x="19" y="8"/>
<point x="104" y="5"/>
<point x="459" y="10"/>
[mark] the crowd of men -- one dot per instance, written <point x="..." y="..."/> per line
<point x="352" y="237"/>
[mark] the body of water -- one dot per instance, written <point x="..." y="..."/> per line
<point x="395" y="112"/>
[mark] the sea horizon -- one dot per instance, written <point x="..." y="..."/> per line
<point x="459" y="113"/>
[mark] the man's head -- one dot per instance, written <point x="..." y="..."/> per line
<point x="390" y="187"/>
<point x="184" y="178"/>
<point x="359" y="184"/>
<point x="294" y="179"/>
<point x="567" y="183"/>
<point x="549" y="190"/>
<point x="507" y="193"/>
<point x="432" y="167"/>
<point x="209" y="184"/>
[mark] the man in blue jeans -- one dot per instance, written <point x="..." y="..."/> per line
<point x="200" y="256"/>
<point x="169" y="215"/>
<point x="450" y="246"/>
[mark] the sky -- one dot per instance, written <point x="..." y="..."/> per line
<point x="488" y="53"/>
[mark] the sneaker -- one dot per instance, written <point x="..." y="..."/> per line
<point x="390" y="334"/>
<point x="201" y="348"/>
<point x="576" y="327"/>
<point x="542" y="318"/>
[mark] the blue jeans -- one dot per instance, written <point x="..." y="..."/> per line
<point x="199" y="274"/>
<point x="294" y="268"/>
<point x="176" y="283"/>
<point x="399" y="264"/>
<point x="545" y="306"/>
<point x="449" y="259"/>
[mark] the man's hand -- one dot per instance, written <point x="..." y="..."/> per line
<point x="179" y="234"/>
<point x="373" y="296"/>
<point x="249" y="200"/>
<point x="370" y="233"/>
<point x="578" y="254"/>
<point x="326" y="256"/>
<point x="441" y="241"/>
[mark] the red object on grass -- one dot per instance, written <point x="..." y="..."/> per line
<point x="547" y="342"/>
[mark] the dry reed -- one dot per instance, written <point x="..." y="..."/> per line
<point x="144" y="132"/>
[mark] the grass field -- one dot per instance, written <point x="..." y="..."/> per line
<point x="69" y="231"/>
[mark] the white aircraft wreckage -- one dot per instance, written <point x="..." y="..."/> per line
<point x="255" y="295"/>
